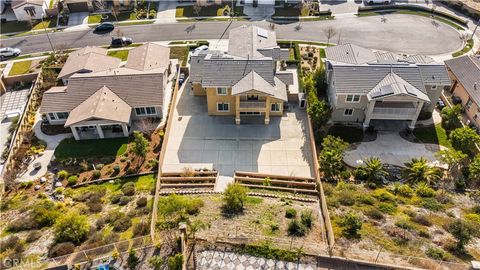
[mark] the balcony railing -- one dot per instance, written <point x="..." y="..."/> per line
<point x="252" y="104"/>
<point x="394" y="113"/>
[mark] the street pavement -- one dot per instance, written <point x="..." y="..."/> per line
<point x="398" y="33"/>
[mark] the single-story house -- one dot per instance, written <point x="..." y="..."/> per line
<point x="364" y="85"/>
<point x="246" y="80"/>
<point x="465" y="74"/>
<point x="104" y="104"/>
<point x="26" y="10"/>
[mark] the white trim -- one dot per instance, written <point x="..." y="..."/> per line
<point x="345" y="110"/>
<point x="224" y="111"/>
<point x="226" y="91"/>
<point x="145" y="108"/>
<point x="279" y="107"/>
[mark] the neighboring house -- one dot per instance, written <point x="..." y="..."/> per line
<point x="244" y="81"/>
<point x="87" y="60"/>
<point x="364" y="85"/>
<point x="105" y="103"/>
<point x="26" y="10"/>
<point x="465" y="74"/>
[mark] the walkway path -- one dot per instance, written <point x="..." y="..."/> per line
<point x="46" y="157"/>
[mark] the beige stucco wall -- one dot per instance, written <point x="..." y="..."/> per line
<point x="474" y="109"/>
<point x="213" y="99"/>
<point x="198" y="90"/>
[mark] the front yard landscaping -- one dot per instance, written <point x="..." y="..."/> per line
<point x="70" y="148"/>
<point x="19" y="68"/>
<point x="467" y="48"/>
<point x="346" y="133"/>
<point x="207" y="11"/>
<point x="432" y="134"/>
<point x="21" y="26"/>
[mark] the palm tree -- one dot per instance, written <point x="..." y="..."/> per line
<point x="418" y="170"/>
<point x="374" y="170"/>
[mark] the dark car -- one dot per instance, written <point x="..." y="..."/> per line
<point x="120" y="41"/>
<point x="104" y="27"/>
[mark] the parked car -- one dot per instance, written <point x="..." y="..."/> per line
<point x="120" y="41"/>
<point x="181" y="78"/>
<point x="440" y="104"/>
<point x="385" y="2"/>
<point x="8" y="52"/>
<point x="104" y="27"/>
<point x="456" y="100"/>
<point x="201" y="48"/>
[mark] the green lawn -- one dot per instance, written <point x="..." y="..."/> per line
<point x="144" y="183"/>
<point x="45" y="24"/>
<point x="208" y="11"/>
<point x="122" y="54"/>
<point x="180" y="53"/>
<point x="125" y="16"/>
<point x="14" y="26"/>
<point x="348" y="134"/>
<point x="465" y="49"/>
<point x="20" y="68"/>
<point x="432" y="134"/>
<point x="91" y="148"/>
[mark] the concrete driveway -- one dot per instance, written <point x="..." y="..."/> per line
<point x="77" y="18"/>
<point x="198" y="140"/>
<point x="391" y="148"/>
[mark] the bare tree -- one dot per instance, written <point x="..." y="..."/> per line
<point x="330" y="32"/>
<point x="197" y="9"/>
<point x="339" y="39"/>
<point x="147" y="126"/>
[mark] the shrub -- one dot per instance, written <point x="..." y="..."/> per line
<point x="443" y="197"/>
<point x="62" y="174"/>
<point x="99" y="166"/>
<point x="423" y="233"/>
<point x="374" y="214"/>
<point x="234" y="198"/>
<point x="33" y="236"/>
<point x="128" y="189"/>
<point x="115" y="198"/>
<point x="366" y="199"/>
<point x="124" y="200"/>
<point x="141" y="202"/>
<point x="122" y="224"/>
<point x="405" y="191"/>
<point x="475" y="209"/>
<point x="307" y="218"/>
<point x="95" y="207"/>
<point x="435" y="253"/>
<point x="61" y="249"/>
<point x="290" y="213"/>
<point x="11" y="242"/>
<point x="175" y="262"/>
<point x="425" y="191"/>
<point x="385" y="196"/>
<point x="422" y="220"/>
<point x="387" y="208"/>
<point x="346" y="198"/>
<point x="296" y="228"/>
<point x="113" y="216"/>
<point x="351" y="224"/>
<point x="432" y="204"/>
<point x="116" y="169"/>
<point x="462" y="233"/>
<point x="71" y="228"/>
<point x="141" y="228"/>
<point x="404" y="224"/>
<point x="274" y="227"/>
<point x="96" y="174"/>
<point x="72" y="180"/>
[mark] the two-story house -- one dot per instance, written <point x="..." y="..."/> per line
<point x="245" y="80"/>
<point x="104" y="102"/>
<point x="364" y="85"/>
<point x="465" y="74"/>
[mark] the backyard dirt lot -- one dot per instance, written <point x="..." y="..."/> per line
<point x="200" y="141"/>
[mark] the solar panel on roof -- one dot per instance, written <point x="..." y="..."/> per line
<point x="383" y="91"/>
<point x="262" y="32"/>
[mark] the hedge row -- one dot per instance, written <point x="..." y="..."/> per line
<point x="413" y="8"/>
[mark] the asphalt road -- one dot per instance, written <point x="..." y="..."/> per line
<point x="398" y="33"/>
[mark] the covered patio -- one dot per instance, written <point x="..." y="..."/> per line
<point x="87" y="131"/>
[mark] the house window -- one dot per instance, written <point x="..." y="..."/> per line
<point x="275" y="107"/>
<point x="469" y="103"/>
<point x="221" y="91"/>
<point x="223" y="107"/>
<point x="30" y="11"/>
<point x="145" y="111"/>
<point x="352" y="98"/>
<point x="348" y="112"/>
<point x="52" y="116"/>
<point x="62" y="115"/>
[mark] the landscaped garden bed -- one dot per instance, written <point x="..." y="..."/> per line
<point x="207" y="11"/>
<point x="35" y="226"/>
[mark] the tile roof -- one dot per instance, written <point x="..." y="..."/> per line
<point x="87" y="60"/>
<point x="253" y="81"/>
<point x="104" y="105"/>
<point x="392" y="84"/>
<point x="467" y="70"/>
<point x="148" y="56"/>
<point x="246" y="40"/>
<point x="363" y="78"/>
<point x="18" y="3"/>
<point x="349" y="54"/>
<point x="137" y="89"/>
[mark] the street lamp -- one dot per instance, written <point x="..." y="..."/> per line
<point x="475" y="30"/>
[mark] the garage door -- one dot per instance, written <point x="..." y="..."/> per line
<point x="78" y="7"/>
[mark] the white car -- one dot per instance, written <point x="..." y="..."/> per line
<point x="8" y="52"/>
<point x="201" y="48"/>
<point x="371" y="2"/>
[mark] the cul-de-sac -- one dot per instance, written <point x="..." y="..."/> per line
<point x="240" y="134"/>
